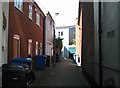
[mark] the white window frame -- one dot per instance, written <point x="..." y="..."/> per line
<point x="38" y="19"/>
<point x="30" y="11"/>
<point x="19" y="4"/>
<point x="37" y="47"/>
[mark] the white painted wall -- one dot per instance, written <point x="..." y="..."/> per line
<point x="110" y="45"/>
<point x="119" y="41"/>
<point x="109" y="11"/>
<point x="4" y="33"/>
<point x="0" y="32"/>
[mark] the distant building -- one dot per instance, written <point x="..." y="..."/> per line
<point x="67" y="33"/>
<point x="79" y="35"/>
<point x="26" y="27"/>
<point x="4" y="16"/>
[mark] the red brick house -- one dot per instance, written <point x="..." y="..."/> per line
<point x="26" y="27"/>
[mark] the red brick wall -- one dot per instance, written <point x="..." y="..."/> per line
<point x="57" y="50"/>
<point x="20" y="24"/>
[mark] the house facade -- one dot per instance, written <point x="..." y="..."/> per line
<point x="100" y="42"/>
<point x="4" y="16"/>
<point x="78" y="38"/>
<point x="26" y="26"/>
<point x="49" y="35"/>
<point x="108" y="14"/>
<point x="79" y="33"/>
<point x="67" y="33"/>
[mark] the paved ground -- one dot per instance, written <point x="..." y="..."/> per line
<point x="64" y="73"/>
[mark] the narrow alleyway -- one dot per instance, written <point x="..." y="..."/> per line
<point x="65" y="73"/>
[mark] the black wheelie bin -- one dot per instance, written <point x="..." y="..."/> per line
<point x="14" y="76"/>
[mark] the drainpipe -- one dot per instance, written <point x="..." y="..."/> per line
<point x="44" y="36"/>
<point x="100" y="49"/>
<point x="54" y="48"/>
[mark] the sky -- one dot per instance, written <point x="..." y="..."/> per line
<point x="67" y="9"/>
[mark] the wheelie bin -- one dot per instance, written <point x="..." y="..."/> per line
<point x="24" y="61"/>
<point x="27" y="63"/>
<point x="40" y="62"/>
<point x="14" y="75"/>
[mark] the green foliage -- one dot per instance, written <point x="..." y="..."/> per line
<point x="59" y="43"/>
<point x="73" y="42"/>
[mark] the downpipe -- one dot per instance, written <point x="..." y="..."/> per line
<point x="100" y="50"/>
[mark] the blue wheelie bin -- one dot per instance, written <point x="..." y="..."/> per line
<point x="24" y="61"/>
<point x="58" y="58"/>
<point x="40" y="62"/>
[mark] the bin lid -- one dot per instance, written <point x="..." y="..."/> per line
<point x="22" y="60"/>
<point x="42" y="56"/>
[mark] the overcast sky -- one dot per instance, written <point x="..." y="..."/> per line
<point x="67" y="9"/>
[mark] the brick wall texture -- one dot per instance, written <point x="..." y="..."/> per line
<point x="88" y="38"/>
<point x="20" y="24"/>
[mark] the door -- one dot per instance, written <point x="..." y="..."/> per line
<point x="16" y="46"/>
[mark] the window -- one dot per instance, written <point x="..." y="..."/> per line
<point x="36" y="51"/>
<point x="18" y="4"/>
<point x="30" y="12"/>
<point x="30" y="47"/>
<point x="51" y="23"/>
<point x="61" y="33"/>
<point x="58" y="33"/>
<point x="37" y="19"/>
<point x="111" y="34"/>
<point x="16" y="46"/>
<point x="40" y="48"/>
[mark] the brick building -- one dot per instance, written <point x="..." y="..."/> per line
<point x="87" y="55"/>
<point x="26" y="27"/>
<point x="100" y="43"/>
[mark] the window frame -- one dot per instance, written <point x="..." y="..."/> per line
<point x="16" y="37"/>
<point x="19" y="4"/>
<point x="38" y="19"/>
<point x="30" y="47"/>
<point x="37" y="47"/>
<point x="31" y="11"/>
<point x="61" y="33"/>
